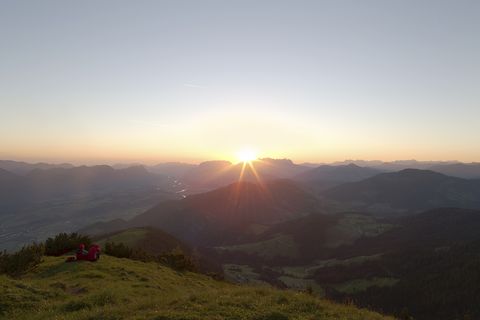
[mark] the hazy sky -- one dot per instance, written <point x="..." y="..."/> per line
<point x="194" y="80"/>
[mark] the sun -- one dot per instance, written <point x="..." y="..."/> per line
<point x="246" y="155"/>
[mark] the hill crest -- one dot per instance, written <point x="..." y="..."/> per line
<point x="115" y="288"/>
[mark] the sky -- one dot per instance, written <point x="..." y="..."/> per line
<point x="318" y="81"/>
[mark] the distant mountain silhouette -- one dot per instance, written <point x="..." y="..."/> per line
<point x="46" y="184"/>
<point x="407" y="190"/>
<point x="281" y="168"/>
<point x="460" y="170"/>
<point x="396" y="165"/>
<point x="22" y="168"/>
<point x="61" y="182"/>
<point x="214" y="174"/>
<point x="210" y="174"/>
<point x="337" y="174"/>
<point x="118" y="166"/>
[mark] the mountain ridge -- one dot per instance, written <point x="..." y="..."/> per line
<point x="407" y="190"/>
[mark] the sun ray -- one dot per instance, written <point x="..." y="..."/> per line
<point x="242" y="172"/>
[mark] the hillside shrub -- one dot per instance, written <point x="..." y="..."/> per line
<point x="63" y="243"/>
<point x="178" y="260"/>
<point x="142" y="255"/>
<point x="175" y="259"/>
<point x="22" y="261"/>
<point x="118" y="250"/>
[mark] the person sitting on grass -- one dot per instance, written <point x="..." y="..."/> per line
<point x="81" y="250"/>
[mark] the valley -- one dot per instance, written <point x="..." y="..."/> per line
<point x="365" y="238"/>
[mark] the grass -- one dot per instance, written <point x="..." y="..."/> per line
<point x="124" y="289"/>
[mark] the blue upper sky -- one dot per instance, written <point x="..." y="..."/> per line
<point x="90" y="81"/>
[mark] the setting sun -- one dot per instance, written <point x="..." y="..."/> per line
<point x="246" y="155"/>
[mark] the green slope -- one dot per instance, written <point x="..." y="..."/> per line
<point x="151" y="240"/>
<point x="124" y="289"/>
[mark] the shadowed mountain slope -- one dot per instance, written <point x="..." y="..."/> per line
<point x="328" y="176"/>
<point x="460" y="170"/>
<point x="44" y="185"/>
<point x="430" y="229"/>
<point x="151" y="240"/>
<point x="430" y="260"/>
<point x="12" y="190"/>
<point x="338" y="174"/>
<point x="407" y="190"/>
<point x="226" y="214"/>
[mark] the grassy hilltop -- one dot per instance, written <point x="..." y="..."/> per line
<point x="116" y="288"/>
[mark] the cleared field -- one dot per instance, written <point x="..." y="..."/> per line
<point x="352" y="227"/>
<point x="241" y="274"/>
<point x="308" y="270"/>
<point x="359" y="285"/>
<point x="302" y="284"/>
<point x="279" y="246"/>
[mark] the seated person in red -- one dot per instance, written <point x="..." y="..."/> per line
<point x="93" y="254"/>
<point x="81" y="250"/>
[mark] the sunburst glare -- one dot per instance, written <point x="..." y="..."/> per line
<point x="246" y="155"/>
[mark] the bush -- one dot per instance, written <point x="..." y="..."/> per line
<point x="142" y="255"/>
<point x="178" y="260"/>
<point x="175" y="259"/>
<point x="63" y="243"/>
<point x="118" y="250"/>
<point x="22" y="261"/>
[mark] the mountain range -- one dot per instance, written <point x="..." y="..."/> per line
<point x="46" y="184"/>
<point x="409" y="190"/>
<point x="22" y="168"/>
<point x="346" y="232"/>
